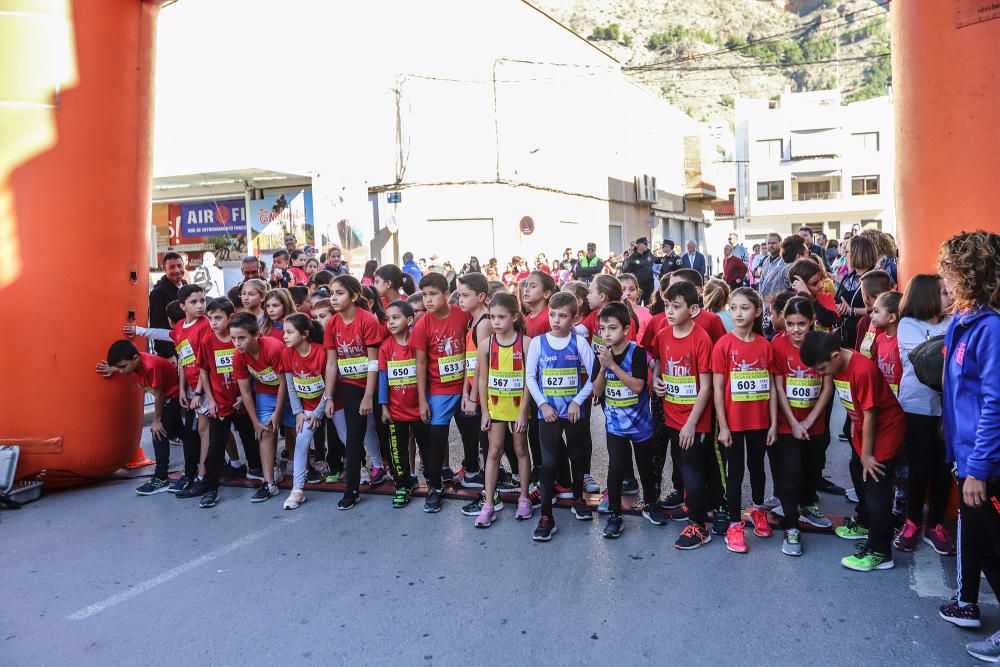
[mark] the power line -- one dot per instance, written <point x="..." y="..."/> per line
<point x="715" y="68"/>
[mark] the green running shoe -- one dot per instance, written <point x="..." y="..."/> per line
<point x="852" y="530"/>
<point x="475" y="507"/>
<point x="334" y="477"/>
<point x="866" y="560"/>
<point x="401" y="498"/>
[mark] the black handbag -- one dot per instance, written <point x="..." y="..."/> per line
<point x="928" y="362"/>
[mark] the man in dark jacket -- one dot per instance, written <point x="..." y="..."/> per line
<point x="694" y="259"/>
<point x="640" y="265"/>
<point x="163" y="293"/>
<point x="671" y="261"/>
<point x="590" y="266"/>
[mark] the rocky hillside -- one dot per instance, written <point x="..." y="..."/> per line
<point x="700" y="53"/>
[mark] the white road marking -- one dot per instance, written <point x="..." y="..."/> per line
<point x="173" y="573"/>
<point x="928" y="580"/>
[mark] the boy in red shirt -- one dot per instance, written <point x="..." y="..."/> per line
<point x="878" y="429"/>
<point x="186" y="336"/>
<point x="157" y="376"/>
<point x="682" y="376"/>
<point x="438" y="341"/>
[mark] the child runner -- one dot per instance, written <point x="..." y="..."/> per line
<point x="252" y="296"/>
<point x="717" y="294"/>
<point x="621" y="381"/>
<point x="746" y="410"/>
<point x="632" y="293"/>
<point x="392" y="284"/>
<point x="472" y="289"/>
<point x="777" y="307"/>
<point x="873" y="285"/>
<point x="352" y="337"/>
<point x="439" y="343"/>
<point x="803" y="397"/>
<point x="397" y="394"/>
<point x="504" y="401"/>
<point x="879" y="426"/>
<point x="806" y="279"/>
<point x="187" y="337"/>
<point x="259" y="374"/>
<point x="885" y="350"/>
<point x="559" y="371"/>
<point x="682" y="376"/>
<point x="278" y="305"/>
<point x="536" y="290"/>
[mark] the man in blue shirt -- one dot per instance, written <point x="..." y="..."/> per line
<point x="409" y="266"/>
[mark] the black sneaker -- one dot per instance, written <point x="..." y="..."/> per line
<point x="433" y="501"/>
<point x="655" y="515"/>
<point x="193" y="490"/>
<point x="581" y="511"/>
<point x="963" y="617"/>
<point x="721" y="523"/>
<point x="680" y="514"/>
<point x="255" y="473"/>
<point x="210" y="499"/>
<point x="313" y="476"/>
<point x="614" y="527"/>
<point x="349" y="500"/>
<point x="473" y="508"/>
<point x="672" y="501"/>
<point x="265" y="492"/>
<point x="179" y="484"/>
<point x="153" y="486"/>
<point x="401" y="498"/>
<point x="507" y="484"/>
<point x="693" y="536"/>
<point x="229" y="472"/>
<point x="826" y="486"/>
<point x="630" y="487"/>
<point x="546" y="529"/>
<point x="473" y="480"/>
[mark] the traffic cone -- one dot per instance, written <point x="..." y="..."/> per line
<point x="139" y="460"/>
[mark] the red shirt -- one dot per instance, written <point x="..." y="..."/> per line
<point x="472" y="351"/>
<point x="653" y="327"/>
<point x="299" y="276"/>
<point x="803" y="385"/>
<point x="216" y="358"/>
<point x="866" y="334"/>
<point x="404" y="404"/>
<point x="886" y="355"/>
<point x="350" y="342"/>
<point x="862" y="387"/>
<point x="187" y="340"/>
<point x="266" y="370"/>
<point x="746" y="370"/>
<point x="308" y="372"/>
<point x="444" y="342"/>
<point x="711" y="323"/>
<point x="156" y="372"/>
<point x="593" y="325"/>
<point x="734" y="269"/>
<point x="538" y="324"/>
<point x="682" y="360"/>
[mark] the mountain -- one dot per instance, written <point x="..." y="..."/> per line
<point x="699" y="54"/>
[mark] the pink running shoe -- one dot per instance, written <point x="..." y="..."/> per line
<point x="940" y="540"/>
<point x="486" y="516"/>
<point x="524" y="509"/>
<point x="761" y="528"/>
<point x="736" y="540"/>
<point x="377" y="476"/>
<point x="908" y="536"/>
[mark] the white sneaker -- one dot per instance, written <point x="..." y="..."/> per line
<point x="294" y="499"/>
<point x="852" y="495"/>
<point x="590" y="484"/>
<point x="771" y="503"/>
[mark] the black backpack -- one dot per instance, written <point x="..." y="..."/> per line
<point x="928" y="362"/>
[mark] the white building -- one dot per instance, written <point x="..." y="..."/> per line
<point x="806" y="159"/>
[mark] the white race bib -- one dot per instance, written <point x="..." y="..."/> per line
<point x="681" y="389"/>
<point x="353" y="368"/>
<point x="802" y="392"/>
<point x="505" y="383"/>
<point x="560" y="381"/>
<point x="617" y="395"/>
<point x="452" y="367"/>
<point x="310" y="387"/>
<point x="402" y="373"/>
<point x="749" y="386"/>
<point x="843" y="388"/>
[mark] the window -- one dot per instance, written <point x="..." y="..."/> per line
<point x="616" y="238"/>
<point x="866" y="142"/>
<point x="767" y="190"/>
<point x="864" y="185"/>
<point x="771" y="149"/>
<point x="808" y="190"/>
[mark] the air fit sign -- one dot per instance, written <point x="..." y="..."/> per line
<point x="214" y="218"/>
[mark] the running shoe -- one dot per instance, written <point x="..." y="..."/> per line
<point x="153" y="486"/>
<point x="210" y="499"/>
<point x="535" y="496"/>
<point x="680" y="513"/>
<point x="778" y="511"/>
<point x="486" y="517"/>
<point x="447" y="474"/>
<point x="473" y="480"/>
<point x="265" y="492"/>
<point x="296" y="498"/>
<point x="966" y="616"/>
<point x="630" y="487"/>
<point x="761" y="528"/>
<point x="673" y="500"/>
<point x="940" y="540"/>
<point x="334" y="477"/>
<point x="581" y="511"/>
<point x="401" y="498"/>
<point x="195" y="489"/>
<point x="811" y="515"/>
<point x="524" y="509"/>
<point x="655" y="515"/>
<point x="348" y="500"/>
<point x="433" y="501"/>
<point x="866" y="560"/>
<point x="414" y="482"/>
<point x="736" y="540"/>
<point x="852" y="530"/>
<point x="907" y="538"/>
<point x="720" y="524"/>
<point x="179" y="484"/>
<point x="229" y="472"/>
<point x="506" y="483"/>
<point x="852" y="495"/>
<point x="693" y="536"/>
<point x="826" y="486"/>
<point x="602" y="506"/>
<point x="563" y="491"/>
<point x="590" y="484"/>
<point x="770" y="503"/>
<point x="377" y="476"/>
<point x="792" y="546"/>
<point x="255" y="474"/>
<point x="474" y="507"/>
<point x="545" y="530"/>
<point x="614" y="526"/>
<point x="278" y="474"/>
<point x="987" y="650"/>
<point x="313" y="476"/>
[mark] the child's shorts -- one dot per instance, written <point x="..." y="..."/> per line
<point x="444" y="407"/>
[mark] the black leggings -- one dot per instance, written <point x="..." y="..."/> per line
<point x="174" y="426"/>
<point x="620" y="464"/>
<point x="978" y="541"/>
<point x="660" y="444"/>
<point x="924" y="447"/>
<point x="356" y="425"/>
<point x="747" y="446"/>
<point x="399" y="448"/>
<point x="474" y="439"/>
<point x="698" y="464"/>
<point x="192" y="441"/>
<point x="798" y="463"/>
<point x="218" y="437"/>
<point x="874" y="509"/>
<point x="555" y="449"/>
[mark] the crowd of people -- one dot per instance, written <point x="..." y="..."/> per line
<point x="717" y="373"/>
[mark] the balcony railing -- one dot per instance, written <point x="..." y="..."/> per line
<point x="812" y="196"/>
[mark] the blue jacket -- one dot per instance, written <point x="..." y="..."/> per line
<point x="971" y="399"/>
<point x="413" y="269"/>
